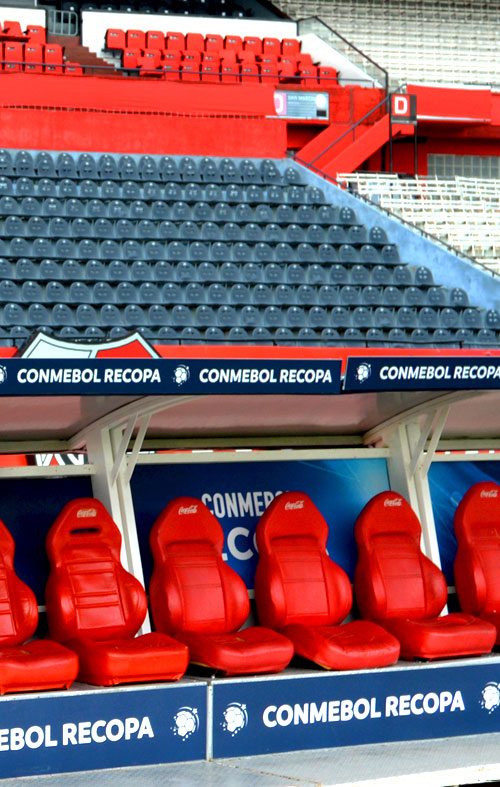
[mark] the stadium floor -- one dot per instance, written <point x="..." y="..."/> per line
<point x="464" y="760"/>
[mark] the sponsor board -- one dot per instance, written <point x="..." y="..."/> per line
<point x="421" y="374"/>
<point x="98" y="376"/>
<point x="311" y="712"/>
<point x="102" y="728"/>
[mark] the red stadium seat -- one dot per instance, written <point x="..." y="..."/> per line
<point x="233" y="42"/>
<point x="13" y="30"/>
<point x="190" y="71"/>
<point x="176" y="41"/>
<point x="115" y="40"/>
<point x="73" y="69"/>
<point x="399" y="587"/>
<point x="36" y="34"/>
<point x="136" y="39"/>
<point x="249" y="72"/>
<point x="53" y="58"/>
<point x="477" y="564"/>
<point x="97" y="606"/>
<point x="36" y="665"/>
<point x="191" y="56"/>
<point x="290" y="46"/>
<point x="252" y="44"/>
<point x="13" y="56"/>
<point x="304" y="60"/>
<point x="33" y="56"/>
<point x="195" y="41"/>
<point x="210" y="70"/>
<point x="214" y="43"/>
<point x="327" y="76"/>
<point x="155" y="39"/>
<point x="151" y="58"/>
<point x="199" y="599"/>
<point x="286" y="73"/>
<point x="228" y="71"/>
<point x="130" y="58"/>
<point x="305" y="595"/>
<point x="271" y="46"/>
<point x="308" y="75"/>
<point x="171" y="64"/>
<point x="268" y="73"/>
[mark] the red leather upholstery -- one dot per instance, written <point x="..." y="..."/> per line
<point x="398" y="586"/>
<point x="97" y="606"/>
<point x="199" y="599"/>
<point x="39" y="664"/>
<point x="304" y="594"/>
<point x="477" y="563"/>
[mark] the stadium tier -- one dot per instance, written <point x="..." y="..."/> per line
<point x="447" y="41"/>
<point x="215" y="250"/>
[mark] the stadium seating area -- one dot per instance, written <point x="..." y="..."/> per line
<point x="208" y="250"/>
<point x="461" y="211"/>
<point x="212" y="58"/>
<point x="443" y="41"/>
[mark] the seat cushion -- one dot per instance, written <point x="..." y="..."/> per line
<point x="449" y="636"/>
<point x="356" y="645"/>
<point x="494" y="618"/>
<point x="252" y="650"/>
<point x="150" y="657"/>
<point x="39" y="665"/>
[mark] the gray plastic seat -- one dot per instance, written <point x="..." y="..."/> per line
<point x="158" y="316"/>
<point x="24" y="186"/>
<point x="62" y="315"/>
<point x="19" y="247"/>
<point x="96" y="208"/>
<point x="13" y="314"/>
<point x="398" y="337"/>
<point x="348" y="253"/>
<point x="285" y="214"/>
<point x="375" y="337"/>
<point x="181" y="315"/>
<point x="67" y="188"/>
<point x="88" y="189"/>
<point x="318" y="317"/>
<point x="86" y="166"/>
<point x="10" y="291"/>
<point x="23" y="163"/>
<point x="127" y="168"/>
<point x="330" y="337"/>
<point x="66" y="166"/>
<point x="403" y="276"/>
<point x="110" y="315"/>
<point x="384" y="317"/>
<point x="42" y="247"/>
<point x="159" y="210"/>
<point x="393" y="296"/>
<point x="239" y="294"/>
<point x="29" y="206"/>
<point x="147" y="168"/>
<point x="295" y="274"/>
<point x="458" y="298"/>
<point x="167" y="169"/>
<point x="328" y="296"/>
<point x="14" y="225"/>
<point x="350" y="295"/>
<point x="362" y="317"/>
<point x="188" y="169"/>
<point x="407" y="317"/>
<point x="414" y="296"/>
<point x="172" y="293"/>
<point x="205" y="316"/>
<point x="285" y="295"/>
<point x="134" y="316"/>
<point x="449" y="318"/>
<point x="428" y="318"/>
<point x="8" y="205"/>
<point x="46" y="187"/>
<point x="6" y="166"/>
<point x="284" y="253"/>
<point x="7" y="270"/>
<point x="6" y="186"/>
<point x="149" y="293"/>
<point x="436" y="296"/>
<point x="72" y="270"/>
<point x="492" y="319"/>
<point x="390" y="255"/>
<point x="38" y="315"/>
<point x="250" y="316"/>
<point x="107" y="167"/>
<point x="340" y="317"/>
<point x="124" y="228"/>
<point x="49" y="269"/>
<point x="378" y="236"/>
<point x="95" y="270"/>
<point x="55" y="292"/>
<point x="126" y="292"/>
<point x="227" y="316"/>
<point x="285" y="337"/>
<point x="31" y="292"/>
<point x="86" y="315"/>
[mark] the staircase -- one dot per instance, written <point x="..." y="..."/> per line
<point x="74" y="52"/>
<point x="332" y="153"/>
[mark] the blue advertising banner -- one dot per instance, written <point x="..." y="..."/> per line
<point x="105" y="728"/>
<point x="239" y="493"/>
<point x="421" y="374"/>
<point x="286" y="713"/>
<point x="132" y="376"/>
<point x="448" y="482"/>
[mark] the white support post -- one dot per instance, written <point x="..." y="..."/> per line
<point x="111" y="486"/>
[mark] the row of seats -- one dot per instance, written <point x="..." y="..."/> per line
<point x="163" y="169"/>
<point x="199" y="603"/>
<point x="117" y="40"/>
<point x="36" y="59"/>
<point x="13" y="32"/>
<point x="440" y="338"/>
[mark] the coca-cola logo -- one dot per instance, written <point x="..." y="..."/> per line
<point x="188" y="509"/>
<point x="393" y="501"/>
<point x="85" y="513"/>
<point x="489" y="493"/>
<point x="294" y="506"/>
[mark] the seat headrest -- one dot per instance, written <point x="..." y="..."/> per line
<point x="83" y="523"/>
<point x="185" y="519"/>
<point x="7" y="547"/>
<point x="478" y="511"/>
<point x="387" y="513"/>
<point x="291" y="514"/>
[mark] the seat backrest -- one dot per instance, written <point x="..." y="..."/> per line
<point x="192" y="588"/>
<point x="477" y="563"/>
<point x="89" y="593"/>
<point x="18" y="607"/>
<point x="393" y="577"/>
<point x="296" y="582"/>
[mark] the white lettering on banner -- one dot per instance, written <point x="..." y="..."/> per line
<point x="83" y="732"/>
<point x="87" y="376"/>
<point x="475" y="372"/>
<point x="266" y="376"/>
<point x="362" y="708"/>
<point x="238" y="504"/>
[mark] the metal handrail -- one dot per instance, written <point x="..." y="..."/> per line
<point x="350" y="45"/>
<point x="409" y="224"/>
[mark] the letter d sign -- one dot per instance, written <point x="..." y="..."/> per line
<point x="403" y="108"/>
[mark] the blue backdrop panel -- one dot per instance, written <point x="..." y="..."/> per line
<point x="288" y="713"/>
<point x="78" y="731"/>
<point x="239" y="493"/>
<point x="28" y="508"/>
<point x="449" y="481"/>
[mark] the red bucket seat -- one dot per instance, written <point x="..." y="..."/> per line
<point x="199" y="599"/>
<point x="305" y="595"/>
<point x="399" y="587"/>
<point x="477" y="564"/>
<point x="96" y="606"/>
<point x="36" y="665"/>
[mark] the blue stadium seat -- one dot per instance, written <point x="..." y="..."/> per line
<point x="86" y="166"/>
<point x="107" y="167"/>
<point x="126" y="292"/>
<point x="49" y="269"/>
<point x="134" y="316"/>
<point x="62" y="315"/>
<point x="6" y="186"/>
<point x="414" y="296"/>
<point x="23" y="163"/>
<point x="46" y="187"/>
<point x="10" y="291"/>
<point x="72" y="270"/>
<point x="31" y="292"/>
<point x="407" y="317"/>
<point x="13" y="314"/>
<point x="173" y="293"/>
<point x="66" y="166"/>
<point x="56" y="292"/>
<point x="393" y="296"/>
<point x="24" y="186"/>
<point x="38" y="315"/>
